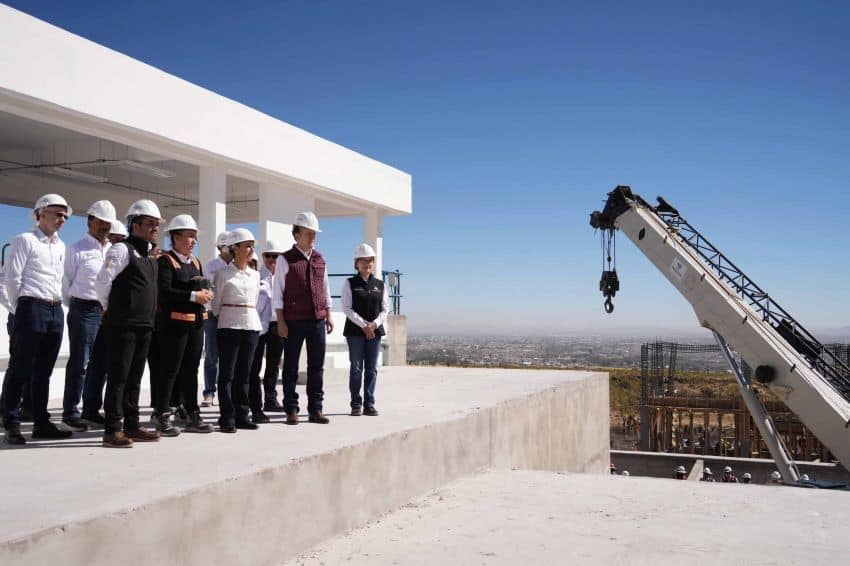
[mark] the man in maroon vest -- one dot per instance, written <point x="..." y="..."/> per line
<point x="302" y="301"/>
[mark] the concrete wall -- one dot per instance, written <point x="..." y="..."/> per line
<point x="661" y="465"/>
<point x="268" y="516"/>
<point x="395" y="342"/>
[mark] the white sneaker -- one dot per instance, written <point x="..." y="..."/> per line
<point x="209" y="398"/>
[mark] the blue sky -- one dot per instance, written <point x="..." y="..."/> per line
<point x="515" y="120"/>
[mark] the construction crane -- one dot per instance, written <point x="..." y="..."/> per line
<point x="812" y="380"/>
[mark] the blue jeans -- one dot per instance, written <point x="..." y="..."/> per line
<point x="96" y="376"/>
<point x="210" y="355"/>
<point x="37" y="336"/>
<point x="314" y="333"/>
<point x="362" y="352"/>
<point x="83" y="323"/>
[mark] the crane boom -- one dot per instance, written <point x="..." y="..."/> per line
<point x="810" y="379"/>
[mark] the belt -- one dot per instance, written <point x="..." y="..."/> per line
<point x="40" y="301"/>
<point x="186" y="316"/>
<point x="88" y="302"/>
<point x="238" y="306"/>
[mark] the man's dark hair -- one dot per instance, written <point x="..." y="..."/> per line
<point x="296" y="230"/>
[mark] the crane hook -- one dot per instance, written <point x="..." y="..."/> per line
<point x="609" y="306"/>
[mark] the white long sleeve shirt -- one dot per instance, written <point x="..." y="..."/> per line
<point x="117" y="258"/>
<point x="235" y="301"/>
<point x="4" y="298"/>
<point x="264" y="301"/>
<point x="348" y="309"/>
<point x="83" y="261"/>
<point x="35" y="267"/>
<point x="280" y="271"/>
<point x="210" y="269"/>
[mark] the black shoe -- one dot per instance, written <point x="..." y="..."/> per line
<point x="246" y="424"/>
<point x="13" y="435"/>
<point x="292" y="417"/>
<point x="370" y="412"/>
<point x="197" y="424"/>
<point x="49" y="431"/>
<point x="356" y="411"/>
<point x="227" y="427"/>
<point x="26" y="416"/>
<point x="94" y="420"/>
<point x="259" y="417"/>
<point x="76" y="424"/>
<point x="318" y="418"/>
<point x="273" y="406"/>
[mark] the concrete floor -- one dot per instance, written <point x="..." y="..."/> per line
<point x="53" y="484"/>
<point x="529" y="517"/>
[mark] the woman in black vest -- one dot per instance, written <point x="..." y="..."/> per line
<point x="365" y="303"/>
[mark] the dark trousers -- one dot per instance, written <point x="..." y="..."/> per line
<point x="83" y="323"/>
<point x="96" y="376"/>
<point x="180" y="347"/>
<point x="26" y="402"/>
<point x="128" y="350"/>
<point x="235" y="354"/>
<point x="314" y="333"/>
<point x="269" y="344"/>
<point x="210" y="354"/>
<point x="36" y="338"/>
<point x="363" y="356"/>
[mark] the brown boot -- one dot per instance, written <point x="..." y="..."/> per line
<point x="143" y="435"/>
<point x="318" y="418"/>
<point x="116" y="440"/>
<point x="292" y="417"/>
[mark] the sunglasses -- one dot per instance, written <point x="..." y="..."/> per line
<point x="270" y="256"/>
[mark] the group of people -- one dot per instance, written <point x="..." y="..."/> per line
<point x="131" y="303"/>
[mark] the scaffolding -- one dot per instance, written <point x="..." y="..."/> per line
<point x="674" y="419"/>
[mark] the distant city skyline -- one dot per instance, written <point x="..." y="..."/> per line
<point x="516" y="120"/>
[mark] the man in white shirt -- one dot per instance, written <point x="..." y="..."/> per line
<point x="34" y="290"/>
<point x="82" y="264"/>
<point x="211" y="324"/>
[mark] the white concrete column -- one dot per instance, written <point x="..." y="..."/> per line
<point x="212" y="210"/>
<point x="373" y="235"/>
<point x="278" y="207"/>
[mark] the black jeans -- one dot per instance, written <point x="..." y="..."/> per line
<point x="35" y="342"/>
<point x="269" y="344"/>
<point x="128" y="350"/>
<point x="235" y="354"/>
<point x="314" y="333"/>
<point x="180" y="347"/>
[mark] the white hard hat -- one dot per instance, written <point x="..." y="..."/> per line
<point x="182" y="222"/>
<point x="747" y="476"/>
<point x="144" y="207"/>
<point x="240" y="235"/>
<point x="708" y="471"/>
<point x="774" y="475"/>
<point x="102" y="210"/>
<point x="51" y="199"/>
<point x="625" y="473"/>
<point x="727" y="470"/>
<point x="363" y="250"/>
<point x="805" y="477"/>
<point x="222" y="238"/>
<point x="307" y="220"/>
<point x="274" y="247"/>
<point x="118" y="228"/>
<point x="681" y="470"/>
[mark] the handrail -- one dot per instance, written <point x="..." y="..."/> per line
<point x="392" y="280"/>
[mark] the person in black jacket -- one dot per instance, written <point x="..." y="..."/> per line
<point x="183" y="292"/>
<point x="366" y="305"/>
<point x="127" y="287"/>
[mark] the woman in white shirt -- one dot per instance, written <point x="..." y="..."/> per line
<point x="237" y="288"/>
<point x="366" y="305"/>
